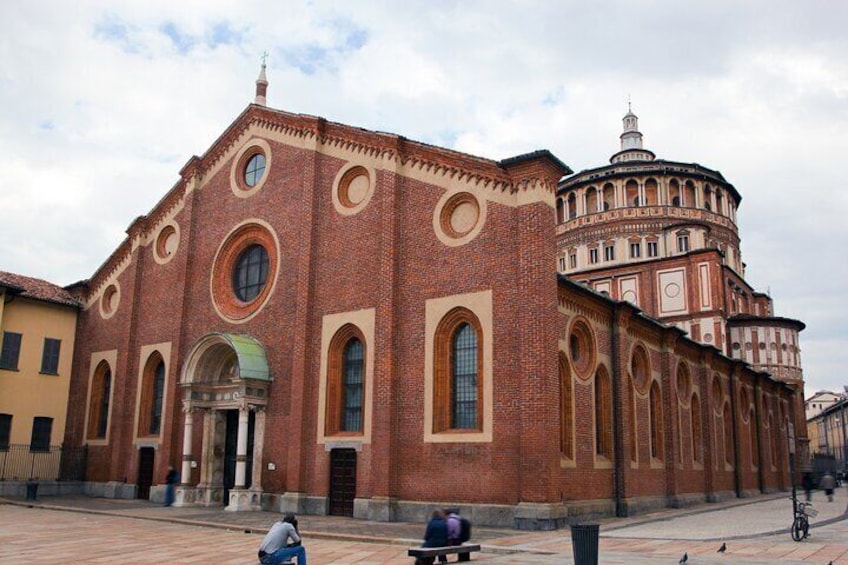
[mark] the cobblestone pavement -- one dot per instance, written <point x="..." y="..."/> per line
<point x="91" y="530"/>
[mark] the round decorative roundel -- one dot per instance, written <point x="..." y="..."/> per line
<point x="672" y="290"/>
<point x="166" y="244"/>
<point x="109" y="300"/>
<point x="353" y="189"/>
<point x="458" y="218"/>
<point x="581" y="349"/>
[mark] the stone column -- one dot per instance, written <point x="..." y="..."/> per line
<point x="188" y="430"/>
<point x="241" y="447"/>
<point x="258" y="446"/>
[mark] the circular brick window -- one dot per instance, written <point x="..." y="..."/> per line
<point x="254" y="170"/>
<point x="244" y="271"/>
<point x="250" y="168"/>
<point x="110" y="300"/>
<point x="352" y="189"/>
<point x="581" y="349"/>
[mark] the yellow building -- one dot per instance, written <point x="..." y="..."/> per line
<point x="37" y="329"/>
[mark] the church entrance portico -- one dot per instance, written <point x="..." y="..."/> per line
<point x="225" y="379"/>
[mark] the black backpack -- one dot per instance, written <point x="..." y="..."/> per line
<point x="464" y="530"/>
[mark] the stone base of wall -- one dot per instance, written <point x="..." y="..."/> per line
<point x="112" y="489"/>
<point x="18" y="489"/>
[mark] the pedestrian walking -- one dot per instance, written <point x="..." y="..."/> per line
<point x="171" y="479"/>
<point x="828" y="483"/>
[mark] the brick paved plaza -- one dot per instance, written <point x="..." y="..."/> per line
<point x="88" y="530"/>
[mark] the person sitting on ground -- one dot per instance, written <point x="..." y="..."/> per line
<point x="276" y="548"/>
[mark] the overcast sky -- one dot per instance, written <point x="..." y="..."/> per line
<point x="101" y="104"/>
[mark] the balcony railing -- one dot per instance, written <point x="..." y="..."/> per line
<point x="646" y="212"/>
<point x="57" y="463"/>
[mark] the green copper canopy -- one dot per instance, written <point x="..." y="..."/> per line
<point x="251" y="357"/>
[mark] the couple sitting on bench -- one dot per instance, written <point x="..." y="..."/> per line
<point x="446" y="528"/>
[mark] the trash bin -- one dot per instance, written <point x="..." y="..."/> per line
<point x="32" y="490"/>
<point x="584" y="543"/>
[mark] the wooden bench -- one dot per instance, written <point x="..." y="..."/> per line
<point x="427" y="555"/>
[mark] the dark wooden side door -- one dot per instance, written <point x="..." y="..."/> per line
<point x="146" y="456"/>
<point x="342" y="481"/>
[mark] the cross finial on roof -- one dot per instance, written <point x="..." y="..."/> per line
<point x="264" y="57"/>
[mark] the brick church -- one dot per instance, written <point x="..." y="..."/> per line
<point x="330" y="320"/>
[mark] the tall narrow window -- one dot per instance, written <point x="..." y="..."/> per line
<point x="572" y="260"/>
<point x="50" y="356"/>
<point x="652" y="249"/>
<point x="755" y="444"/>
<point x="728" y="437"/>
<point x="656" y="421"/>
<point x="773" y="446"/>
<point x="609" y="253"/>
<point x="345" y="411"/>
<point x="683" y="243"/>
<point x="464" y="379"/>
<point x="566" y="428"/>
<point x="635" y="250"/>
<point x="353" y="363"/>
<point x="11" y="351"/>
<point x="562" y="264"/>
<point x="603" y="415"/>
<point x="697" y="443"/>
<point x="5" y="431"/>
<point x="458" y="393"/>
<point x="152" y="396"/>
<point x="41" y="430"/>
<point x="593" y="256"/>
<point x="98" y="416"/>
<point x="158" y="394"/>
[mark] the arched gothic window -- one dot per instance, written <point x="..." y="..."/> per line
<point x="458" y="394"/>
<point x="152" y="396"/>
<point x="656" y="421"/>
<point x="603" y="414"/>
<point x="697" y="443"/>
<point x="346" y="382"/>
<point x="98" y="415"/>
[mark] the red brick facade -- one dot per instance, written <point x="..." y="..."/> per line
<point x="393" y="255"/>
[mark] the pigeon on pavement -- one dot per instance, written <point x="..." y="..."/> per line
<point x="683" y="559"/>
<point x="723" y="548"/>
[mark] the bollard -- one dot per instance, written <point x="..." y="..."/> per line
<point x="584" y="543"/>
<point x="31" y="490"/>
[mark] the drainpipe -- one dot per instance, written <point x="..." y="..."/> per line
<point x="617" y="439"/>
<point x="737" y="471"/>
<point x="759" y="432"/>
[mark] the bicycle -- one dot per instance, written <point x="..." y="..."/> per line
<point x="801" y="524"/>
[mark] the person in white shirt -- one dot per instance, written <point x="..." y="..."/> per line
<point x="276" y="548"/>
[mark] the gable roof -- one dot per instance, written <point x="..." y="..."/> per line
<point x="36" y="289"/>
